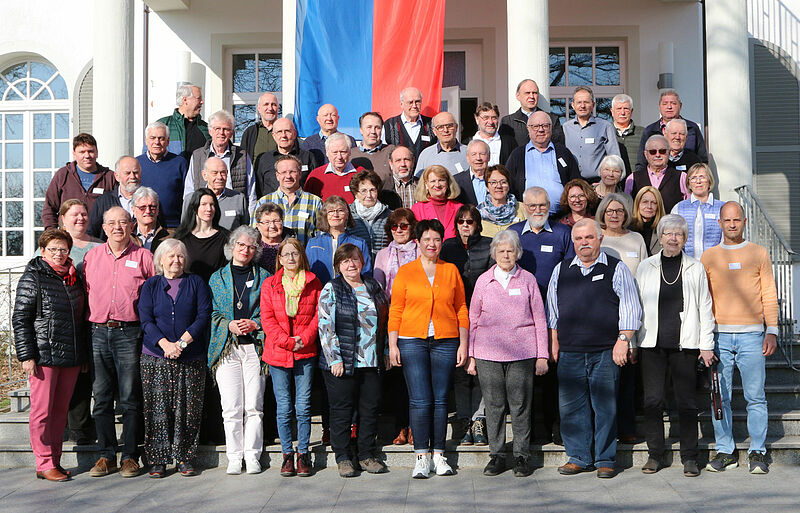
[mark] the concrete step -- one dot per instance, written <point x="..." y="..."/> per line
<point x="779" y="397"/>
<point x="778" y="373"/>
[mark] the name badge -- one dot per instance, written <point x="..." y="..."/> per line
<point x="346" y="188"/>
<point x="132" y="264"/>
<point x="230" y="213"/>
<point x="514" y="292"/>
<point x="303" y="215"/>
<point x="710" y="216"/>
<point x="734" y="266"/>
<point x="598" y="277"/>
<point x="98" y="190"/>
<point x="682" y="167"/>
<point x="248" y="283"/>
<point x="426" y="138"/>
<point x="562" y="162"/>
<point x="546" y="249"/>
<point x="589" y="140"/>
<point x="459" y="167"/>
<point x="304" y="167"/>
<point x="632" y="254"/>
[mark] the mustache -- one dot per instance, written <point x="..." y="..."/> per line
<point x="585" y="246"/>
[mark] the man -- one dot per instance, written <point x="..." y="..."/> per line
<point x="487" y="116"/>
<point x="328" y="119"/>
<point x="240" y="169"/>
<point x="128" y="175"/>
<point x="670" y="108"/>
<point x="447" y="151"/>
<point x="670" y="182"/>
<point x="541" y="162"/>
<point x="333" y="179"/>
<point x="410" y="128"/>
<point x="398" y="191"/>
<point x="593" y="311"/>
<point x="745" y="299"/>
<point x="163" y="171"/>
<point x="627" y="135"/>
<point x="145" y="212"/>
<point x="473" y="184"/>
<point x="232" y="204"/>
<point x="258" y="137"/>
<point x="589" y="138"/>
<point x="285" y="135"/>
<point x="82" y="179"/>
<point x="188" y="130"/>
<point x="515" y="124"/>
<point x="372" y="153"/>
<point x="680" y="158"/>
<point x="300" y="208"/>
<point x="115" y="272"/>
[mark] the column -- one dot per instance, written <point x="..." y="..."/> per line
<point x="288" y="56"/>
<point x="528" y="48"/>
<point x="729" y="134"/>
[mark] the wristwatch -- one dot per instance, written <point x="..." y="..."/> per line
<point x="182" y="344"/>
<point x="624" y="337"/>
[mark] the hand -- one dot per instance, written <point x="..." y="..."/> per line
<point x="471" y="370"/>
<point x="29" y="366"/>
<point x="234" y="328"/>
<point x="394" y="356"/>
<point x="173" y="350"/>
<point x="85" y="368"/>
<point x="770" y="344"/>
<point x="541" y="366"/>
<point x="633" y="355"/>
<point x="620" y="352"/>
<point x="247" y="326"/>
<point x="298" y="343"/>
<point x="461" y="355"/>
<point x="707" y="357"/>
<point x="337" y="369"/>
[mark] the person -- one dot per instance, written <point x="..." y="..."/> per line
<point x="202" y="234"/>
<point x="515" y="124"/>
<point x="73" y="218"/>
<point x="701" y="211"/>
<point x="501" y="208"/>
<point x="268" y="219"/>
<point x="259" y="137"/>
<point x="648" y="209"/>
<point x="128" y="177"/>
<point x="82" y="179"/>
<point x="611" y="170"/>
<point x="628" y="133"/>
<point x="317" y="144"/>
<point x="578" y="201"/>
<point x="289" y="319"/>
<point x="236" y="346"/>
<point x="473" y="183"/>
<point x="669" y="182"/>
<point x="335" y="227"/>
<point x="285" y="135"/>
<point x="589" y="138"/>
<point x="410" y="128"/>
<point x="147" y="232"/>
<point x="508" y="345"/>
<point x="399" y="190"/>
<point x="487" y="117"/>
<point x="50" y="341"/>
<point x="353" y="311"/>
<point x="448" y="152"/>
<point x="115" y="273"/>
<point x="593" y="311"/>
<point x="428" y="326"/>
<point x="175" y="309"/>
<point x="163" y="171"/>
<point x="745" y="302"/>
<point x="371" y="153"/>
<point x="677" y="329"/>
<point x="435" y="198"/>
<point x="189" y="131"/>
<point x="232" y="204"/>
<point x="367" y="212"/>
<point x="333" y="177"/>
<point x="680" y="157"/>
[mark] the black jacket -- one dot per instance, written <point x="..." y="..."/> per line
<point x="249" y="139"/>
<point x="507" y="145"/>
<point x="516" y="125"/>
<point x="107" y="200"/>
<point x="267" y="182"/>
<point x="516" y="167"/>
<point x="694" y="141"/>
<point x="471" y="261"/>
<point x="48" y="318"/>
<point x="464" y="181"/>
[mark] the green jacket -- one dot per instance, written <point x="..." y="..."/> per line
<point x="177" y="133"/>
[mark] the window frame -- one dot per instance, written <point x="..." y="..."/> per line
<point x="251" y="98"/>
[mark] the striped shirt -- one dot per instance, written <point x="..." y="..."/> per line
<point x="300" y="216"/>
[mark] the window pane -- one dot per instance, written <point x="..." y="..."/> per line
<point x="41" y="155"/>
<point x="244" y="73"/>
<point x="42" y="71"/>
<point x="606" y="63"/>
<point x="14" y="213"/>
<point x="580" y="66"/>
<point x="455" y="70"/>
<point x="269" y="72"/>
<point x="12" y="96"/>
<point x="244" y="114"/>
<point x="13" y="156"/>
<point x="603" y="108"/>
<point x="3" y="87"/>
<point x="557" y="67"/>
<point x="557" y="107"/>
<point x="14" y="243"/>
<point x="38" y="206"/>
<point x="40" y="182"/>
<point x="14" y="185"/>
<point x="62" y="126"/>
<point x="42" y="126"/>
<point x="13" y="127"/>
<point x="44" y="95"/>
<point x="15" y="72"/>
<point x="59" y="88"/>
<point x="62" y="153"/>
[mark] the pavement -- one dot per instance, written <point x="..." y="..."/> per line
<point x="469" y="490"/>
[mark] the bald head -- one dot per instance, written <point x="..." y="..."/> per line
<point x="284" y="133"/>
<point x="540" y="129"/>
<point x="129" y="175"/>
<point x="268" y="109"/>
<point x="215" y="173"/>
<point x="445" y="128"/>
<point x="328" y="119"/>
<point x="732" y="221"/>
<point x="528" y="95"/>
<point x="411" y="102"/>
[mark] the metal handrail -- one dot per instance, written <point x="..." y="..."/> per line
<point x="8" y="289"/>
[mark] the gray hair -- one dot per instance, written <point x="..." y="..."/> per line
<point x="184" y="90"/>
<point x="622" y="199"/>
<point x="119" y="160"/>
<point x="622" y="98"/>
<point x="506" y="237"/>
<point x="656" y="137"/>
<point x="478" y="141"/>
<point x="143" y="192"/>
<point x="669" y="92"/>
<point x="583" y="88"/>
<point x="519" y="86"/>
<point x="338" y="136"/>
<point x="267" y="208"/>
<point x="167" y="246"/>
<point x="673" y="221"/>
<point x="530" y="191"/>
<point x="408" y="89"/>
<point x="113" y="209"/>
<point x="154" y="125"/>
<point x="222" y="115"/>
<point x="248" y="232"/>
<point x="677" y="121"/>
<point x="586" y="221"/>
<point x="614" y="162"/>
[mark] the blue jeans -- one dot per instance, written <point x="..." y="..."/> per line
<point x="428" y="366"/>
<point x="745" y="351"/>
<point x="303" y="374"/>
<point x="587" y="394"/>
<point x="115" y="357"/>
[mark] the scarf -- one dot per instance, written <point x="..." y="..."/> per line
<point x="399" y="255"/>
<point x="502" y="215"/>
<point x="66" y="272"/>
<point x="293" y="287"/>
<point x="368" y="214"/>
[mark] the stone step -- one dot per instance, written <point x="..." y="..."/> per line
<point x="779" y="397"/>
<point x="778" y="373"/>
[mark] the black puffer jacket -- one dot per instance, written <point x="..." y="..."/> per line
<point x="471" y="261"/>
<point x="48" y="318"/>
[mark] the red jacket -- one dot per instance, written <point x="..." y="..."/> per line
<point x="426" y="210"/>
<point x="278" y="327"/>
<point x="66" y="184"/>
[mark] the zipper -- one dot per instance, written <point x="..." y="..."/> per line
<point x="72" y="311"/>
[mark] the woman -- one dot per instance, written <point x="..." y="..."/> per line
<point x="51" y="343"/>
<point x="701" y="211"/>
<point x="611" y="171"/>
<point x="507" y="345"/>
<point x="334" y="225"/>
<point x="174" y="308"/>
<point x="648" y="209"/>
<point x="470" y="253"/>
<point x="677" y="329"/>
<point x="236" y="346"/>
<point x="202" y="235"/>
<point x="268" y="219"/>
<point x="352" y="332"/>
<point x="500" y="209"/>
<point x="435" y="198"/>
<point x="369" y="214"/>
<point x="428" y="323"/>
<point x="577" y="201"/>
<point x="289" y="318"/>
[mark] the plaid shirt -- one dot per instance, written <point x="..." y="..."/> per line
<point x="300" y="216"/>
<point x="406" y="191"/>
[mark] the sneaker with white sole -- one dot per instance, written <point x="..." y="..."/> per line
<point x="234" y="467"/>
<point x="422" y="467"/>
<point x="440" y="466"/>
<point x="757" y="463"/>
<point x="252" y="465"/>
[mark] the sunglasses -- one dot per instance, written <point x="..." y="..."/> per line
<point x="468" y="222"/>
<point x="660" y="151"/>
<point x="400" y="226"/>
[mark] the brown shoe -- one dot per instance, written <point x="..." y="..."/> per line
<point x="402" y="437"/>
<point x="606" y="472"/>
<point x="63" y="470"/>
<point x="129" y="468"/>
<point x="103" y="467"/>
<point x="570" y="469"/>
<point x="52" y="475"/>
<point x="410" y="437"/>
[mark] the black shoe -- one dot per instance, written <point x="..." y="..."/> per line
<point x="757" y="463"/>
<point x="479" y="432"/>
<point x="722" y="462"/>
<point x="651" y="467"/>
<point x="158" y="471"/>
<point x="521" y="467"/>
<point x="186" y="469"/>
<point x="690" y="468"/>
<point x="557" y="436"/>
<point x="495" y="466"/>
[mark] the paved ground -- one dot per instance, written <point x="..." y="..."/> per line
<point x="213" y="490"/>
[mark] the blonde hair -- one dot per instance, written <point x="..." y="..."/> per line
<point x="421" y="192"/>
<point x="638" y="222"/>
<point x="695" y="169"/>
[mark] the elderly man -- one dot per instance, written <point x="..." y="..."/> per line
<point x="669" y="105"/>
<point x="333" y="179"/>
<point x="487" y="116"/>
<point x="593" y="311"/>
<point x="188" y="130"/>
<point x="232" y="204"/>
<point x="398" y="191"/>
<point x="473" y="184"/>
<point x="240" y="169"/>
<point x="285" y="135"/>
<point x="82" y="179"/>
<point x="300" y="208"/>
<point x="145" y="212"/>
<point x="745" y="302"/>
<point x="163" y="171"/>
<point x="115" y="272"/>
<point x="627" y="135"/>
<point x="128" y="174"/>
<point x="258" y="137"/>
<point x="372" y="153"/>
<point x="680" y="158"/>
<point x="589" y="138"/>
<point x="448" y="151"/>
<point x="328" y="119"/>
<point x="515" y="124"/>
<point x="670" y="182"/>
<point x="410" y="128"/>
<point x="541" y="162"/>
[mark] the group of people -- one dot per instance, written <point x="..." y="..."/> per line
<point x="407" y="264"/>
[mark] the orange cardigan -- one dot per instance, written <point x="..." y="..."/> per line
<point x="416" y="302"/>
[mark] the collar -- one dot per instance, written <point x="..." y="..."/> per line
<point x="652" y="172"/>
<point x="151" y="159"/>
<point x="676" y="158"/>
<point x="527" y="228"/>
<point x="401" y="183"/>
<point x="376" y="149"/>
<point x="601" y="259"/>
<point x="476" y="177"/>
<point x="405" y="120"/>
<point x="212" y="153"/>
<point x="710" y="200"/>
<point x="282" y="194"/>
<point x="592" y="120"/>
<point x="507" y="274"/>
<point x="530" y="146"/>
<point x="734" y="246"/>
<point x="226" y="193"/>
<point x="526" y="113"/>
<point x="294" y="151"/>
<point x="347" y="169"/>
<point x="124" y="251"/>
<point x="457" y="148"/>
<point x="628" y="130"/>
<point x="150" y="235"/>
<point x="495" y="137"/>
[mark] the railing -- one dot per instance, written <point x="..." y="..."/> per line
<point x="8" y="290"/>
<point x="761" y="229"/>
<point x="772" y="21"/>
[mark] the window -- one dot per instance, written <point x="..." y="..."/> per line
<point x="252" y="73"/>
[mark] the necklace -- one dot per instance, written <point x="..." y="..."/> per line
<point x="240" y="296"/>
<point x="680" y="271"/>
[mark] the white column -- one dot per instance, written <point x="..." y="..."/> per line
<point x="729" y="133"/>
<point x="528" y="47"/>
<point x="288" y="56"/>
<point x="112" y="118"/>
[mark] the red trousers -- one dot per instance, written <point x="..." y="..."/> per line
<point x="51" y="390"/>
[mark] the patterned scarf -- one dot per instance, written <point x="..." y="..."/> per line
<point x="66" y="272"/>
<point x="293" y="287"/>
<point x="399" y="255"/>
<point x="368" y="214"/>
<point x="504" y="214"/>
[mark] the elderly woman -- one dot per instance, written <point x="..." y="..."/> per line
<point x="577" y="201"/>
<point x="174" y="308"/>
<point x="369" y="214"/>
<point x="334" y="228"/>
<point x="611" y="171"/>
<point x="507" y="345"/>
<point x="50" y="341"/>
<point x="648" y="209"/>
<point x="268" y="219"/>
<point x="428" y="326"/>
<point x="289" y="319"/>
<point x="353" y="357"/>
<point x="236" y="346"/>
<point x="435" y="198"/>
<point x="202" y="234"/>
<point x="677" y="329"/>
<point x="701" y="211"/>
<point x="500" y="209"/>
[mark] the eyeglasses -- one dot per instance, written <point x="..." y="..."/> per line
<point x="147" y="207"/>
<point x="222" y="129"/>
<point x="543" y="126"/>
<point x="537" y="206"/>
<point x="57" y="251"/>
<point x="677" y="235"/>
<point x="371" y="190"/>
<point x="242" y="245"/>
<point x="338" y="212"/>
<point x="400" y="227"/>
<point x="446" y="126"/>
<point x="578" y="197"/>
<point x="117" y="223"/>
<point x="291" y="254"/>
<point x="660" y="151"/>
<point x="615" y="211"/>
<point x="466" y="221"/>
<point x="271" y="223"/>
<point x="698" y="178"/>
<point x="497" y="183"/>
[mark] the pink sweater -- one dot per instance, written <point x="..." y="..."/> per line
<point x="426" y="210"/>
<point x="509" y="324"/>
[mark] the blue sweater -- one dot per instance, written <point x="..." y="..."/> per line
<point x="712" y="233"/>
<point x="542" y="251"/>
<point x="320" y="254"/>
<point x="166" y="178"/>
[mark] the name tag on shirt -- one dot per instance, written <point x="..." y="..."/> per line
<point x="710" y="216"/>
<point x="632" y="254"/>
<point x="303" y="215"/>
<point x="132" y="264"/>
<point x="304" y="167"/>
<point x="734" y="266"/>
<point x="459" y="167"/>
<point x="230" y="213"/>
<point x="562" y="162"/>
<point x="98" y="190"/>
<point x="248" y="283"/>
<point x="426" y="138"/>
<point x="682" y="167"/>
<point x="346" y="188"/>
<point x="589" y="140"/>
<point x="514" y="292"/>
<point x="546" y="249"/>
<point x="598" y="277"/>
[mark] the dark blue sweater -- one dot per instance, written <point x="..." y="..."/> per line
<point x="543" y="251"/>
<point x="166" y="178"/>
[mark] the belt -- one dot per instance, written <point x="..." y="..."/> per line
<point x="116" y="324"/>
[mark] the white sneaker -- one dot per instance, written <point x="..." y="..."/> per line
<point x="440" y="466"/>
<point x="253" y="466"/>
<point x="234" y="467"/>
<point x="422" y="467"/>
